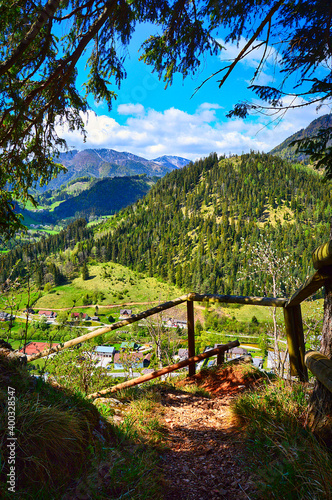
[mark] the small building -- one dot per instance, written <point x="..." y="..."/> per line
<point x="4" y="316"/>
<point x="36" y="347"/>
<point x="272" y="360"/>
<point x="48" y="314"/>
<point x="95" y="318"/>
<point x="125" y="313"/>
<point x="80" y="316"/>
<point x="138" y="360"/>
<point x="258" y="362"/>
<point x="175" y="323"/>
<point x="105" y="351"/>
<point x="29" y="311"/>
<point x="235" y="352"/>
<point x="183" y="354"/>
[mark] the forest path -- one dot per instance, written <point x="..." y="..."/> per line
<point x="205" y="444"/>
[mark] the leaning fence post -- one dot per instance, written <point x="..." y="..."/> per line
<point x="191" y="335"/>
<point x="220" y="356"/>
<point x="295" y="341"/>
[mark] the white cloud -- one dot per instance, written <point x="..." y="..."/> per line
<point x="153" y="133"/>
<point x="130" y="109"/>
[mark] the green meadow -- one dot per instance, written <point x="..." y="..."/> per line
<point x="108" y="284"/>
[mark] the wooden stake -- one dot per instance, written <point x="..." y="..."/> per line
<point x="295" y="341"/>
<point x="191" y="336"/>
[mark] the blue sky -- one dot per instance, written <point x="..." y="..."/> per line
<point x="150" y="121"/>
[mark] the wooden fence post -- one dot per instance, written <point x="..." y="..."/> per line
<point x="295" y="341"/>
<point x="191" y="335"/>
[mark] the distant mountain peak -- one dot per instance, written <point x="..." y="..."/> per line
<point x="172" y="161"/>
<point x="103" y="162"/>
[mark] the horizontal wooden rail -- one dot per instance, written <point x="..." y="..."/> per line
<point x="239" y="299"/>
<point x="167" y="369"/>
<point x="320" y="366"/>
<point x="114" y="326"/>
<point x="310" y="286"/>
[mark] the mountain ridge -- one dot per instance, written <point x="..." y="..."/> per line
<point x="287" y="152"/>
<point x="103" y="162"/>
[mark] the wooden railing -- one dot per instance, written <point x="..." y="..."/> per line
<point x="219" y="351"/>
<point x="292" y="315"/>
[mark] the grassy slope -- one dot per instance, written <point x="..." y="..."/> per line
<point x="144" y="289"/>
<point x="133" y="287"/>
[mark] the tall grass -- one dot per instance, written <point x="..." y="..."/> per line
<point x="67" y="449"/>
<point x="290" y="462"/>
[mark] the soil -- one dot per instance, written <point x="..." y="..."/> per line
<point x="205" y="457"/>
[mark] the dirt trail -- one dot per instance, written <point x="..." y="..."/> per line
<point x="204" y="445"/>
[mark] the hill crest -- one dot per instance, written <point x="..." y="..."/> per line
<point x="288" y="152"/>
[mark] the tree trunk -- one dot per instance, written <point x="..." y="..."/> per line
<point x="320" y="411"/>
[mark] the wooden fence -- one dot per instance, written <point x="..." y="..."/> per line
<point x="220" y="351"/>
<point x="299" y="360"/>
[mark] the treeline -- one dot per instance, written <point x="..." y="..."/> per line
<point x="40" y="258"/>
<point x="191" y="226"/>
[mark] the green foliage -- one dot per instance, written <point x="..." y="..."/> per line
<point x="53" y="431"/>
<point x="178" y="240"/>
<point x="170" y="228"/>
<point x="105" y="197"/>
<point x="289" y="461"/>
<point x="85" y="272"/>
<point x="263" y="343"/>
<point x="77" y="370"/>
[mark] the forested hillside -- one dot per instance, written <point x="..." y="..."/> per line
<point x="100" y="197"/>
<point x="192" y="224"/>
<point x="189" y="228"/>
<point x="105" y="197"/>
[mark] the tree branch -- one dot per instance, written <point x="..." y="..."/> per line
<point x="242" y="53"/>
<point x="46" y="14"/>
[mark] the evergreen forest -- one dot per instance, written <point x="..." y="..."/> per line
<point x="195" y="225"/>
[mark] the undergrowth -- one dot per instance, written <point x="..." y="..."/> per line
<point x="66" y="448"/>
<point x="290" y="462"/>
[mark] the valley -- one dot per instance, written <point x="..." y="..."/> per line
<point x="200" y="228"/>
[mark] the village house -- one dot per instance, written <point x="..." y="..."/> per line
<point x="235" y="352"/>
<point x="105" y="351"/>
<point x="125" y="313"/>
<point x="48" y="314"/>
<point x="36" y="347"/>
<point x="80" y="316"/>
<point x="4" y="316"/>
<point x="175" y="323"/>
<point x="272" y="360"/>
<point x="104" y="354"/>
<point x="182" y="354"/>
<point x="29" y="311"/>
<point x="138" y="360"/>
<point x="131" y="346"/>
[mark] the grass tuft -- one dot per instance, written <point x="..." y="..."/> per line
<point x="290" y="462"/>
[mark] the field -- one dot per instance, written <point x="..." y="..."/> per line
<point x="112" y="286"/>
<point x="263" y="314"/>
<point x="108" y="284"/>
